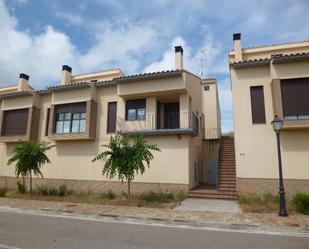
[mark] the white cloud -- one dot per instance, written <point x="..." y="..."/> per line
<point x="118" y="45"/>
<point x="42" y="55"/>
<point x="192" y="60"/>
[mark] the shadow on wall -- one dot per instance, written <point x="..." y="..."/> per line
<point x="253" y="73"/>
<point x="79" y="148"/>
<point x="295" y="140"/>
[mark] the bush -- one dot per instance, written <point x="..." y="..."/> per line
<point x="110" y="195"/>
<point x="42" y="190"/>
<point x="180" y="196"/>
<point x="2" y="192"/>
<point x="258" y="199"/>
<point x="21" y="187"/>
<point x="301" y="202"/>
<point x="152" y="196"/>
<point x="62" y="191"/>
<point x="53" y="191"/>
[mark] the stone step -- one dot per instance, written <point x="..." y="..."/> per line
<point x="227" y="174"/>
<point x="206" y="196"/>
<point x="227" y="180"/>
<point x="228" y="189"/>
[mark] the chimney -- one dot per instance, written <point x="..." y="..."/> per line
<point x="66" y="75"/>
<point x="237" y="47"/>
<point x="178" y="58"/>
<point x="23" y="83"/>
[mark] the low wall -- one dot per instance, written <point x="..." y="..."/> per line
<point x="262" y="186"/>
<point x="96" y="186"/>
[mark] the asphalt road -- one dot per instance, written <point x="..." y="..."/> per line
<point x="42" y="232"/>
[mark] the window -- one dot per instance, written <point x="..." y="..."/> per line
<point x="111" y="117"/>
<point x="295" y="98"/>
<point x="136" y="109"/>
<point x="206" y="88"/>
<point x="71" y="118"/>
<point x="257" y="105"/>
<point x="15" y="122"/>
<point x="47" y="121"/>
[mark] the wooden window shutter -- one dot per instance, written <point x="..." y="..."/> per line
<point x="111" y="117"/>
<point x="15" y="122"/>
<point x="295" y="96"/>
<point x="257" y="105"/>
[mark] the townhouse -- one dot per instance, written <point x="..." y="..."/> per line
<point x="177" y="110"/>
<point x="267" y="81"/>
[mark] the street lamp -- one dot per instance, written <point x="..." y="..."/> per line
<point x="277" y="125"/>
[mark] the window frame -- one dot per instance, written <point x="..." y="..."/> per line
<point x="68" y="118"/>
<point x="136" y="105"/>
<point x="65" y="118"/>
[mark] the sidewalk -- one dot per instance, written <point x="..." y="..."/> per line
<point x="293" y="223"/>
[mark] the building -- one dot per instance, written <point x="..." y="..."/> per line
<point x="266" y="81"/>
<point x="176" y="110"/>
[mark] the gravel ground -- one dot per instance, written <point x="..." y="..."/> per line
<point x="294" y="221"/>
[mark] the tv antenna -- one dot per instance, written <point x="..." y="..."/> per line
<point x="203" y="54"/>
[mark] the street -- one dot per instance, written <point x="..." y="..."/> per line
<point x="26" y="231"/>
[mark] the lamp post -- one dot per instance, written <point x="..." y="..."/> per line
<point x="277" y="125"/>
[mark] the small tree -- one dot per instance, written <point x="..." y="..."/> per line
<point x="126" y="159"/>
<point x="29" y="157"/>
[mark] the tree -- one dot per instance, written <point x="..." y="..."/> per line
<point x="29" y="157"/>
<point x="126" y="159"/>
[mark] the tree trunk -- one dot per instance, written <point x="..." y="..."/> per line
<point x="129" y="190"/>
<point x="30" y="189"/>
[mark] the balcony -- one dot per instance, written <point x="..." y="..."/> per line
<point x="161" y="124"/>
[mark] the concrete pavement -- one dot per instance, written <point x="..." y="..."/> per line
<point x="211" y="205"/>
<point x="53" y="231"/>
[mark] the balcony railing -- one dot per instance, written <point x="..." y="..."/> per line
<point x="164" y="121"/>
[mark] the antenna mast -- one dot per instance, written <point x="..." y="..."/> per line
<point x="202" y="52"/>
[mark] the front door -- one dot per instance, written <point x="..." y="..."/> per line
<point x="212" y="172"/>
<point x="171" y="116"/>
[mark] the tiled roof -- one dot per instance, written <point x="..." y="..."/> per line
<point x="274" y="58"/>
<point x="105" y="83"/>
<point x="86" y="84"/>
<point x="69" y="86"/>
<point x="16" y="94"/>
<point x="149" y="75"/>
<point x="256" y="61"/>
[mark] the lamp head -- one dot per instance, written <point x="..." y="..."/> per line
<point x="277" y="123"/>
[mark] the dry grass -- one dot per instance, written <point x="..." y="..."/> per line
<point x="266" y="203"/>
<point x="149" y="199"/>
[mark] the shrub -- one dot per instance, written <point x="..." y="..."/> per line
<point x="258" y="199"/>
<point x="180" y="196"/>
<point x="21" y="187"/>
<point x="301" y="202"/>
<point x="152" y="196"/>
<point x="42" y="190"/>
<point x="52" y="191"/>
<point x="2" y="192"/>
<point x="62" y="191"/>
<point x="110" y="195"/>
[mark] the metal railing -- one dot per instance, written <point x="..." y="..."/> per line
<point x="152" y="121"/>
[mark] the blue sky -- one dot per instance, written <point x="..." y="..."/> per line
<point x="37" y="37"/>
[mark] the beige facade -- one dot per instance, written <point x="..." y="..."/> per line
<point x="173" y="117"/>
<point x="268" y="67"/>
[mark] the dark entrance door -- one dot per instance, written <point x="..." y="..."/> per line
<point x="171" y="116"/>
